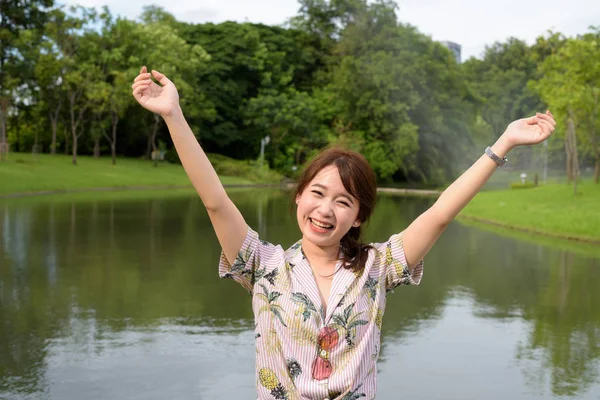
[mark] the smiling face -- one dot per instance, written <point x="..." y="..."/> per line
<point x="326" y="210"/>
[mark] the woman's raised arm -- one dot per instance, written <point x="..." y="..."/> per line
<point x="163" y="99"/>
<point x="421" y="235"/>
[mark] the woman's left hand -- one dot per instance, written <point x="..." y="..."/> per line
<point x="529" y="131"/>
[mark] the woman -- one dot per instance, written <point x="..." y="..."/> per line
<point x="318" y="306"/>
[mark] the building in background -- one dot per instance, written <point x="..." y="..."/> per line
<point x="455" y="48"/>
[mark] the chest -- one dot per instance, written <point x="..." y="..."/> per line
<point x="301" y="302"/>
<point x="323" y="284"/>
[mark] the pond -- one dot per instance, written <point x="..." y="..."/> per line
<point x="107" y="296"/>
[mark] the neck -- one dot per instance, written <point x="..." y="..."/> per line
<point x="320" y="254"/>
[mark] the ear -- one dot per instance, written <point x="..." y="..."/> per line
<point x="356" y="224"/>
<point x="297" y="199"/>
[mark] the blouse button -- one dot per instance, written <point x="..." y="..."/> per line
<point x="324" y="354"/>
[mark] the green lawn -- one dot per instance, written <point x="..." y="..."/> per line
<point x="25" y="173"/>
<point x="550" y="209"/>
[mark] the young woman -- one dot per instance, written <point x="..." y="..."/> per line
<point x="318" y="305"/>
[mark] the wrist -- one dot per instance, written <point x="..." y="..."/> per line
<point x="502" y="146"/>
<point x="174" y="113"/>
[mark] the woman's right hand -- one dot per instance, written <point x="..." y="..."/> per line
<point x="161" y="99"/>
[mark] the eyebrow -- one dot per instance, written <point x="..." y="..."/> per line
<point x="341" y="194"/>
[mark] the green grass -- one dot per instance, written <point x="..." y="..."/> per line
<point x="26" y="173"/>
<point x="550" y="209"/>
<point x="584" y="248"/>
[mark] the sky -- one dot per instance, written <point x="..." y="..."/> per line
<point x="471" y="23"/>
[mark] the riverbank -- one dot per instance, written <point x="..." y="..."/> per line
<point x="25" y="174"/>
<point x="550" y="210"/>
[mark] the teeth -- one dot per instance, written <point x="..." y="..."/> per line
<point x="320" y="225"/>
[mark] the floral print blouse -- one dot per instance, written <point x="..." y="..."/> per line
<point x="303" y="352"/>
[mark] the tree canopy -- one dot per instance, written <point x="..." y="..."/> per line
<point x="341" y="72"/>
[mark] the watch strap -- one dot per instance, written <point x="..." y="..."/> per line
<point x="499" y="161"/>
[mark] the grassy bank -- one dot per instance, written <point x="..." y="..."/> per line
<point x="26" y="173"/>
<point x="551" y="210"/>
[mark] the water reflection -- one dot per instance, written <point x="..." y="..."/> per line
<point x="104" y="296"/>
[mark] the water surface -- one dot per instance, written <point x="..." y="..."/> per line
<point x="113" y="296"/>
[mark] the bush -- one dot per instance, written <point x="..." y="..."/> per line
<point x="526" y="185"/>
<point x="248" y="169"/>
<point x="226" y="166"/>
<point x="172" y="157"/>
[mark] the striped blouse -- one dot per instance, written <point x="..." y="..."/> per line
<point x="303" y="352"/>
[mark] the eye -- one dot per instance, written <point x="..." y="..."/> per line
<point x="344" y="203"/>
<point x="318" y="193"/>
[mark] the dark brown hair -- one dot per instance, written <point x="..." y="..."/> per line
<point x="359" y="180"/>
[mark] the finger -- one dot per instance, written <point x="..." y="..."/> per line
<point x="531" y="120"/>
<point x="549" y="113"/>
<point x="142" y="76"/>
<point x="546" y="126"/>
<point x="137" y="92"/>
<point x="552" y="116"/>
<point x="143" y="70"/>
<point x="141" y="83"/>
<point x="160" y="77"/>
<point x="546" y="117"/>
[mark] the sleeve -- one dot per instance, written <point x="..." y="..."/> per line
<point x="393" y="266"/>
<point x="251" y="263"/>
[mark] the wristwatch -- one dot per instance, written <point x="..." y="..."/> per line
<point x="493" y="156"/>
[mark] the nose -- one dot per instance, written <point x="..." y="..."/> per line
<point x="325" y="209"/>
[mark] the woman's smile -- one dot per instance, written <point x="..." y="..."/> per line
<point x="320" y="226"/>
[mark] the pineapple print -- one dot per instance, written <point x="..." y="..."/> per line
<point x="379" y="318"/>
<point x="269" y="380"/>
<point x="401" y="270"/>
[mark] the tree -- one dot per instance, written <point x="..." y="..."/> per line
<point x="570" y="84"/>
<point x="49" y="55"/>
<point x="113" y="94"/>
<point x="160" y="48"/>
<point x="383" y="82"/>
<point x="292" y="121"/>
<point x="15" y="16"/>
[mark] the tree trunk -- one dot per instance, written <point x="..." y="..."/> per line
<point x="154" y="134"/>
<point x="66" y="132"/>
<point x="74" y="159"/>
<point x="73" y="131"/>
<point x="572" y="151"/>
<point x="113" y="152"/>
<point x="75" y="122"/>
<point x="113" y="144"/>
<point x="54" y="123"/>
<point x="595" y="144"/>
<point x="149" y="148"/>
<point x="18" y="133"/>
<point x="113" y="138"/>
<point x="97" y="147"/>
<point x="34" y="149"/>
<point x="3" y="139"/>
<point x="568" y="154"/>
<point x="53" y="144"/>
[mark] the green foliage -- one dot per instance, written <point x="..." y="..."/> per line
<point x="519" y="185"/>
<point x="250" y="171"/>
<point x="570" y="83"/>
<point x="247" y="170"/>
<point x="342" y="72"/>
